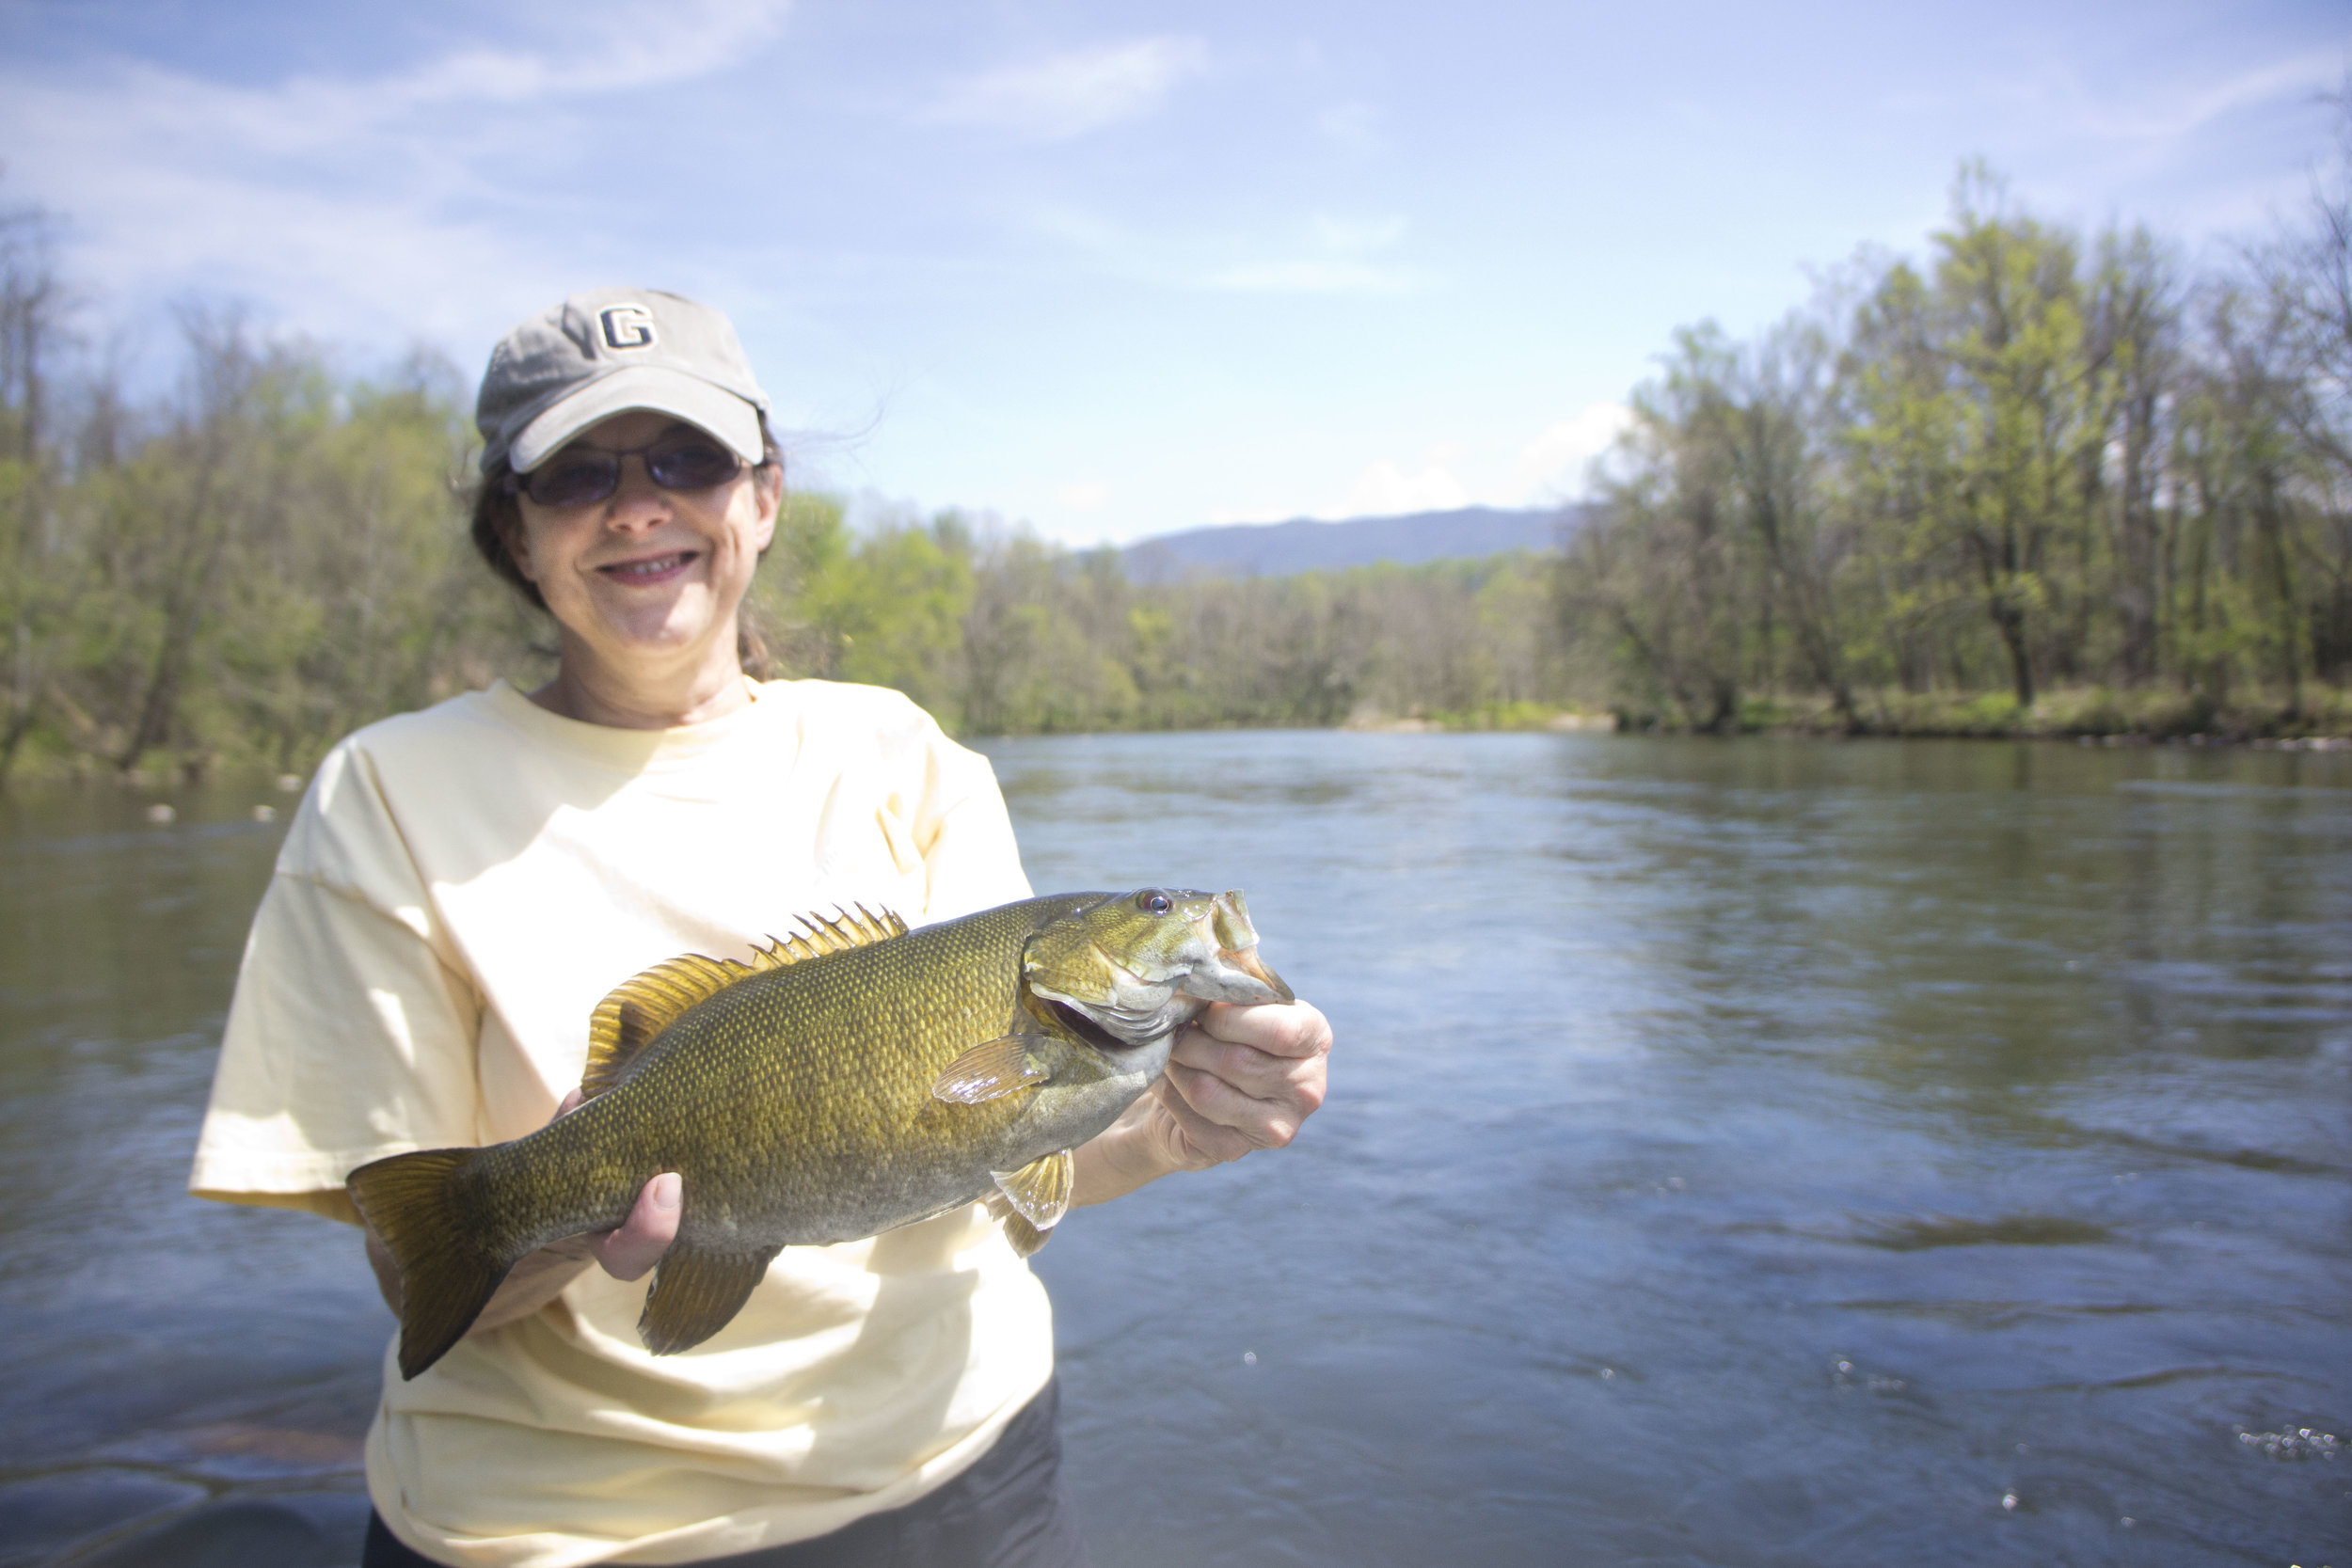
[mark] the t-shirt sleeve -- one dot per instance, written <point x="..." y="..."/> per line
<point x="350" y="1037"/>
<point x="964" y="832"/>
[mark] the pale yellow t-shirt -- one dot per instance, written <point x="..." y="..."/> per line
<point x="459" y="889"/>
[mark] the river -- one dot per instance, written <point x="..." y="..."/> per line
<point x="1763" y="1151"/>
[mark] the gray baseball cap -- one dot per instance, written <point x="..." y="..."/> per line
<point x="610" y="349"/>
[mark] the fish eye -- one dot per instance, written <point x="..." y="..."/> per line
<point x="1154" y="902"/>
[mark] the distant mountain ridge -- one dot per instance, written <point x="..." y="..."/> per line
<point x="1305" y="545"/>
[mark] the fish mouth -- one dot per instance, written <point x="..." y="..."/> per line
<point x="1085" y="1028"/>
<point x="1237" y="975"/>
<point x="1247" y="962"/>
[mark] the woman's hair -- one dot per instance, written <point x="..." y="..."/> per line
<point x="496" y="510"/>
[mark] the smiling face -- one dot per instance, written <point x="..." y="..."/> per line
<point x="647" y="581"/>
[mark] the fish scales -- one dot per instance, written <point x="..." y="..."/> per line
<point x="826" y="1097"/>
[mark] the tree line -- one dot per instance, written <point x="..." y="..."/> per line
<point x="1984" y="483"/>
<point x="2027" y="462"/>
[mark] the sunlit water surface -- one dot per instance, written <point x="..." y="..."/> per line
<point x="1749" y="1152"/>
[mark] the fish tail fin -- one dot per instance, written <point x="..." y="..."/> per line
<point x="415" y="1204"/>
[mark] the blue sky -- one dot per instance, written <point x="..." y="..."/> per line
<point x="1116" y="269"/>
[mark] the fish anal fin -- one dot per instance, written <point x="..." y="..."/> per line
<point x="695" y="1294"/>
<point x="1040" y="1190"/>
<point x="1003" y="1065"/>
<point x="1026" y="1237"/>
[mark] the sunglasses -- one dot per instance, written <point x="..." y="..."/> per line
<point x="582" y="476"/>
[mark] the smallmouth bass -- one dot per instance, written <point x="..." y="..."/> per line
<point x="853" y="1078"/>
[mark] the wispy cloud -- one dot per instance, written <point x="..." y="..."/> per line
<point x="621" y="43"/>
<point x="347" y="199"/>
<point x="2296" y="76"/>
<point x="1353" y="126"/>
<point x="2156" y="112"/>
<point x="1079" y="90"/>
<point x="1340" y="266"/>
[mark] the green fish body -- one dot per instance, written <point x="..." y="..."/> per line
<point x="852" y="1079"/>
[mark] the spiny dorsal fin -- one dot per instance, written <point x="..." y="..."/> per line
<point x="822" y="934"/>
<point x="634" y="1015"/>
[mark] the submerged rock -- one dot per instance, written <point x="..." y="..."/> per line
<point x="309" y="1529"/>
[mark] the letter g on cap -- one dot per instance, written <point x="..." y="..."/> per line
<point x="626" y="326"/>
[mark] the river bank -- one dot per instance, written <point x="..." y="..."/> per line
<point x="2320" y="720"/>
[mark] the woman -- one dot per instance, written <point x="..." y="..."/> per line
<point x="462" y="885"/>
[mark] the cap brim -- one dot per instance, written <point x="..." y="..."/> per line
<point x="649" y="386"/>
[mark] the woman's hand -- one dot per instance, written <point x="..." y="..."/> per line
<point x="625" y="1253"/>
<point x="1239" y="1079"/>
<point x="630" y="1251"/>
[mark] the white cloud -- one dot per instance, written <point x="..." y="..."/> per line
<point x="1340" y="269"/>
<point x="1552" y="466"/>
<point x="1385" y="489"/>
<point x="1076" y="91"/>
<point x="1085" y="495"/>
<point x="367" y="207"/>
<point x="628" y="43"/>
<point x="1549" y="469"/>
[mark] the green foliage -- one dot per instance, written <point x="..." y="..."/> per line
<point x="2030" y="466"/>
<point x="2025" y="485"/>
<point x="241" y="575"/>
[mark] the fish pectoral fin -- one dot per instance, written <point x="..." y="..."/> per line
<point x="1006" y="1065"/>
<point x="695" y="1294"/>
<point x="1040" y="1190"/>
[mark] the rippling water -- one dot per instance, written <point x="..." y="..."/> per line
<point x="1747" y="1152"/>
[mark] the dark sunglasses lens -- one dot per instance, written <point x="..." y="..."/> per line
<point x="574" y="481"/>
<point x="692" y="466"/>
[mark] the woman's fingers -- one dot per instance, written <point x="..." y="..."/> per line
<point x="629" y="1252"/>
<point x="637" y="1243"/>
<point x="1292" y="1029"/>
<point x="1245" y="1078"/>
